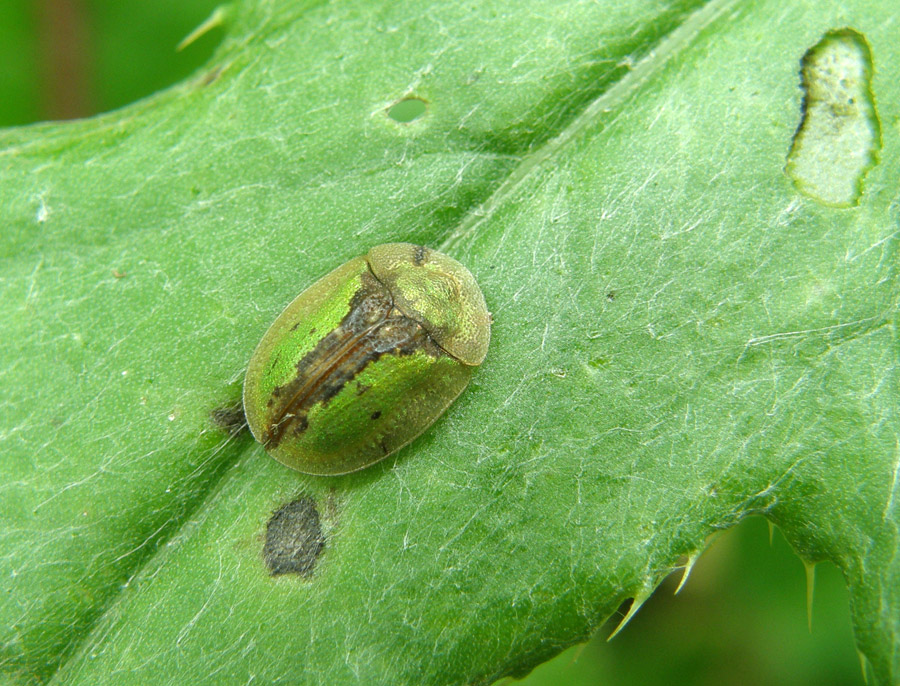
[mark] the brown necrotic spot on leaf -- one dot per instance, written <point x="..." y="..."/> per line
<point x="229" y="418"/>
<point x="294" y="538"/>
<point x="839" y="136"/>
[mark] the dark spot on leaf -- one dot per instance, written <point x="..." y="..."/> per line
<point x="294" y="538"/>
<point x="230" y="419"/>
<point x="611" y="296"/>
<point x="376" y="414"/>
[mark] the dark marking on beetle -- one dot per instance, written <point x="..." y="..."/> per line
<point x="230" y="419"/>
<point x="294" y="327"/>
<point x="362" y="387"/>
<point x="294" y="538"/>
<point x="376" y="414"/>
<point x="419" y="255"/>
<point x="372" y="327"/>
<point x="300" y="425"/>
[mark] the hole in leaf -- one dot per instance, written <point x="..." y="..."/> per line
<point x="407" y="110"/>
<point x="839" y="135"/>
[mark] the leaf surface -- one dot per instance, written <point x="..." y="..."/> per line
<point x="681" y="338"/>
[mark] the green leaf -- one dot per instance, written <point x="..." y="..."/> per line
<point x="681" y="338"/>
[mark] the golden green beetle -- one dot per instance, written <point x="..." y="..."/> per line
<point x="366" y="359"/>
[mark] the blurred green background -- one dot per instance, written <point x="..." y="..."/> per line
<point x="64" y="59"/>
<point x="741" y="618"/>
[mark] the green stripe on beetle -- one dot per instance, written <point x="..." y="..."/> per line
<point x="366" y="359"/>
